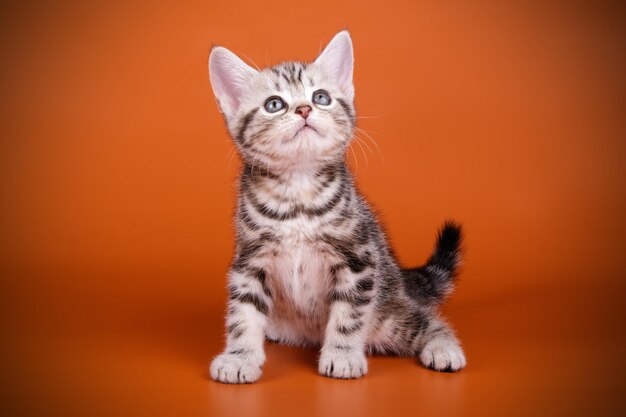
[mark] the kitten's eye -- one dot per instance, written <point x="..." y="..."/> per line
<point x="321" y="97"/>
<point x="274" y="104"/>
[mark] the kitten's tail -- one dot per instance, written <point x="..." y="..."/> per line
<point x="431" y="283"/>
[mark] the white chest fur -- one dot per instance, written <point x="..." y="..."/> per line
<point x="297" y="262"/>
<point x="299" y="278"/>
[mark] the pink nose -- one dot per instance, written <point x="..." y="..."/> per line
<point x="303" y="111"/>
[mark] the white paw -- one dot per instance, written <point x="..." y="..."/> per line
<point x="234" y="369"/>
<point x="343" y="364"/>
<point x="443" y="355"/>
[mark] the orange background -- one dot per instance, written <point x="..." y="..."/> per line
<point x="118" y="187"/>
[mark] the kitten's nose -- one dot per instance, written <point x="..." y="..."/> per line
<point x="304" y="111"/>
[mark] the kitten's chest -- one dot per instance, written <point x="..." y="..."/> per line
<point x="300" y="276"/>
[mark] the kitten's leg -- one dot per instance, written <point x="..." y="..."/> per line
<point x="441" y="349"/>
<point x="249" y="303"/>
<point x="343" y="351"/>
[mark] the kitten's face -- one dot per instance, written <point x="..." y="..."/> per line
<point x="293" y="114"/>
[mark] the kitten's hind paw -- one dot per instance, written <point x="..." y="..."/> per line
<point x="443" y="355"/>
<point x="232" y="368"/>
<point x="342" y="364"/>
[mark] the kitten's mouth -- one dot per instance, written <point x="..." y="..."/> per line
<point x="305" y="128"/>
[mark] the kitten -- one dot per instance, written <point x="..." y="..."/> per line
<point x="312" y="265"/>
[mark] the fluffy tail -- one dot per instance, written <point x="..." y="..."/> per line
<point x="431" y="283"/>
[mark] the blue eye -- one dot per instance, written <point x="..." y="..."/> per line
<point x="321" y="98"/>
<point x="274" y="104"/>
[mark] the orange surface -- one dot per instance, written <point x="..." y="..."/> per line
<point x="117" y="194"/>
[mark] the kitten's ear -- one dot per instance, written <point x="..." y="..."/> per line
<point x="229" y="78"/>
<point x="337" y="60"/>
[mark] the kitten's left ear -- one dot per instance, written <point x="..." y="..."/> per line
<point x="230" y="77"/>
<point x="337" y="60"/>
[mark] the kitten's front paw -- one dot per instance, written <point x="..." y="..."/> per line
<point x="342" y="364"/>
<point x="234" y="369"/>
<point x="443" y="355"/>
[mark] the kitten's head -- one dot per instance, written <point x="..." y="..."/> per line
<point x="291" y="114"/>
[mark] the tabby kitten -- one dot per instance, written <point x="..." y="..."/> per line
<point x="312" y="265"/>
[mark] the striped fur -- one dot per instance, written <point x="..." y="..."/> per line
<point x="312" y="265"/>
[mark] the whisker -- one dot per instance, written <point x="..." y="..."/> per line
<point x="356" y="162"/>
<point x="232" y="152"/>
<point x="368" y="136"/>
<point x="251" y="61"/>
<point x="355" y="134"/>
<point x="358" y="142"/>
<point x="364" y="143"/>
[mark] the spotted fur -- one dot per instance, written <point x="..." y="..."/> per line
<point x="312" y="265"/>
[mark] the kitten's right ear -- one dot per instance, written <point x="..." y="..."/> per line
<point x="337" y="60"/>
<point x="229" y="78"/>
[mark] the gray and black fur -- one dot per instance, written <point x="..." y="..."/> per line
<point x="312" y="266"/>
